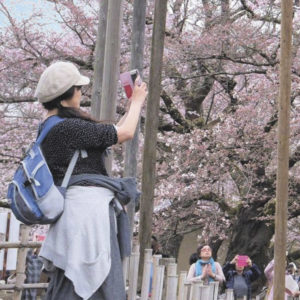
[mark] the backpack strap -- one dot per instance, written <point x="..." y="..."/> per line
<point x="71" y="166"/>
<point x="70" y="169"/>
<point x="49" y="124"/>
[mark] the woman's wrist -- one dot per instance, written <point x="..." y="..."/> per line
<point x="137" y="101"/>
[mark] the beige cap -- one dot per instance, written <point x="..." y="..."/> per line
<point x="57" y="79"/>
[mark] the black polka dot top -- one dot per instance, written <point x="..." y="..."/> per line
<point x="77" y="134"/>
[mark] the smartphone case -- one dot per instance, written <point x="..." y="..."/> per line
<point x="127" y="83"/>
<point x="242" y="260"/>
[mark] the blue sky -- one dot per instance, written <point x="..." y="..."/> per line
<point x="20" y="9"/>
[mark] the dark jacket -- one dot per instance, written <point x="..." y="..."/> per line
<point x="250" y="275"/>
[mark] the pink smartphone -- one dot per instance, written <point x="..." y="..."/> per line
<point x="242" y="261"/>
<point x="127" y="80"/>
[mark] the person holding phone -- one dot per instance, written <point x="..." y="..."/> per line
<point x="291" y="286"/>
<point x="82" y="251"/>
<point x="205" y="268"/>
<point x="239" y="274"/>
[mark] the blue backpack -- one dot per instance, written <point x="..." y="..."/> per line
<point x="32" y="195"/>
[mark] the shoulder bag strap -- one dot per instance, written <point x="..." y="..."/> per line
<point x="49" y="124"/>
<point x="71" y="166"/>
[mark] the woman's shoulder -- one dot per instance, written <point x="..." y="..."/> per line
<point x="71" y="124"/>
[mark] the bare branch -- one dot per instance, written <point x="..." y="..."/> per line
<point x="251" y="14"/>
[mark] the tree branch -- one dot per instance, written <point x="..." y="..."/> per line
<point x="252" y="15"/>
<point x="174" y="112"/>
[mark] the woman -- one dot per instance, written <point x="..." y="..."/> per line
<point x="205" y="268"/>
<point x="289" y="281"/>
<point x="239" y="279"/>
<point x="81" y="252"/>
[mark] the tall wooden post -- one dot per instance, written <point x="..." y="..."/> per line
<point x="151" y="126"/>
<point x="99" y="59"/>
<point x="21" y="262"/>
<point x="137" y="57"/>
<point x="283" y="148"/>
<point x="111" y="64"/>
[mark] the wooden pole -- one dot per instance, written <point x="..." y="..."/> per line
<point x="146" y="274"/>
<point x="133" y="272"/>
<point x="99" y="60"/>
<point x="111" y="65"/>
<point x="182" y="278"/>
<point x="7" y="245"/>
<point x="137" y="57"/>
<point x="229" y="294"/>
<point x="151" y="126"/>
<point x="172" y="280"/>
<point x="155" y="277"/>
<point x="283" y="148"/>
<point x="21" y="262"/>
<point x="187" y="290"/>
<point x="5" y="249"/>
<point x="195" y="293"/>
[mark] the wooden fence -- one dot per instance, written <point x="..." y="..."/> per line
<point x="22" y="247"/>
<point x="160" y="277"/>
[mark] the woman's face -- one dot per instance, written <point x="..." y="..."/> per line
<point x="74" y="101"/>
<point x="205" y="252"/>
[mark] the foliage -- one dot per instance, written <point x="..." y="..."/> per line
<point x="217" y="132"/>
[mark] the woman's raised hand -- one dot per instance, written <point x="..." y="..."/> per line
<point x="140" y="91"/>
<point x="234" y="261"/>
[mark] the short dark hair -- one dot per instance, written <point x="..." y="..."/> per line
<point x="55" y="103"/>
<point x="200" y="247"/>
<point x="68" y="112"/>
<point x="193" y="258"/>
<point x="154" y="238"/>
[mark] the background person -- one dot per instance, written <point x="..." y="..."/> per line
<point x="33" y="272"/>
<point x="193" y="258"/>
<point x="240" y="278"/>
<point x="269" y="273"/>
<point x="205" y="268"/>
<point x="292" y="270"/>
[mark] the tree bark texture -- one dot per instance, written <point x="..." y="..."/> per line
<point x="283" y="148"/>
<point x="251" y="238"/>
<point x="137" y="57"/>
<point x="151" y="127"/>
<point x="99" y="60"/>
<point x="111" y="65"/>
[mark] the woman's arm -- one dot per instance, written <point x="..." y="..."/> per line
<point x="269" y="270"/>
<point x="191" y="274"/>
<point x="219" y="273"/>
<point x="126" y="130"/>
<point x="123" y="118"/>
<point x="254" y="272"/>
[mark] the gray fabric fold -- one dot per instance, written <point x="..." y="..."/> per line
<point x="124" y="188"/>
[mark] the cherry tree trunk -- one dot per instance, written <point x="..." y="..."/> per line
<point x="252" y="238"/>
